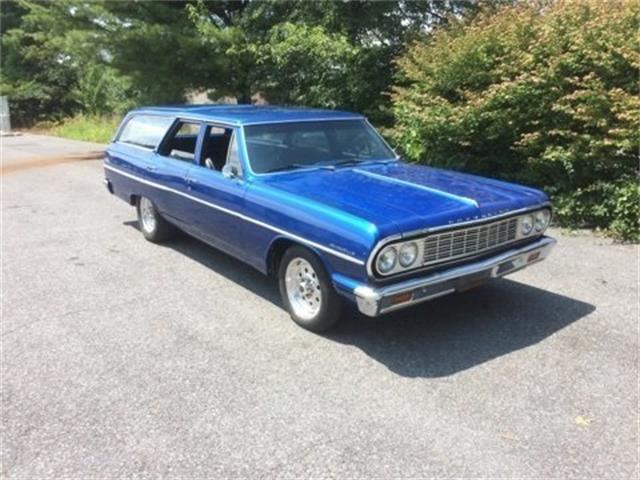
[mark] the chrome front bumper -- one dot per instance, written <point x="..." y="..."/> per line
<point x="376" y="301"/>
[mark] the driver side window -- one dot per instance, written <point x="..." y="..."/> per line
<point x="220" y="147"/>
<point x="215" y="147"/>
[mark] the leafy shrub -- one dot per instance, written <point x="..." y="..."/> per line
<point x="616" y="206"/>
<point x="626" y="211"/>
<point x="546" y="96"/>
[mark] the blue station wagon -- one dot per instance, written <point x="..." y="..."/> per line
<point x="318" y="199"/>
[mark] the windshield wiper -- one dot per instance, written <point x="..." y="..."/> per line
<point x="356" y="161"/>
<point x="291" y="166"/>
<point x="295" y="166"/>
<point x="328" y="166"/>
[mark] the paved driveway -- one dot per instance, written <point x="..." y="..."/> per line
<point x="121" y="358"/>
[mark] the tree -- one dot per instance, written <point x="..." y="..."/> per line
<point x="35" y="74"/>
<point x="72" y="55"/>
<point x="323" y="53"/>
<point x="68" y="56"/>
<point x="546" y="96"/>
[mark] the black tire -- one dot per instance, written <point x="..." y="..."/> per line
<point x="159" y="229"/>
<point x="330" y="304"/>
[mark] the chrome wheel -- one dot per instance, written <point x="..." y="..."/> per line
<point x="303" y="288"/>
<point x="147" y="215"/>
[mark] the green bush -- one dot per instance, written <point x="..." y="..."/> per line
<point x="89" y="128"/>
<point x="546" y="96"/>
<point x="625" y="223"/>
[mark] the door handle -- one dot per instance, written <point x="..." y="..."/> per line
<point x="191" y="181"/>
<point x="151" y="168"/>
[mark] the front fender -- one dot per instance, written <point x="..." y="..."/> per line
<point x="342" y="241"/>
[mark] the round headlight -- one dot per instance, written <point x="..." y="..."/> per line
<point x="387" y="260"/>
<point x="542" y="220"/>
<point x="408" y="254"/>
<point x="526" y="224"/>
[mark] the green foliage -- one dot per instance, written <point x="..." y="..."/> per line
<point x="615" y="206"/>
<point x="156" y="46"/>
<point x="545" y="96"/>
<point x="34" y="74"/>
<point x="52" y="62"/>
<point x="89" y="128"/>
<point x="625" y="223"/>
<point x="316" y="64"/>
<point x="101" y="90"/>
<point x="366" y="37"/>
<point x="544" y="93"/>
<point x="72" y="56"/>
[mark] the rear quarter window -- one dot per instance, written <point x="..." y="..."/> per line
<point x="145" y="130"/>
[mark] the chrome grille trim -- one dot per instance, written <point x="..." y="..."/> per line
<point x="454" y="244"/>
<point x="419" y="235"/>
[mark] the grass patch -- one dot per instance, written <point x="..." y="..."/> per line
<point x="89" y="128"/>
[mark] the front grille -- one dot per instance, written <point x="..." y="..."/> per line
<point x="446" y="246"/>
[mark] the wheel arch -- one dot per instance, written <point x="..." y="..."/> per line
<point x="280" y="245"/>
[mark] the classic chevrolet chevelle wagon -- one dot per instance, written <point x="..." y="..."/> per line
<point x="319" y="200"/>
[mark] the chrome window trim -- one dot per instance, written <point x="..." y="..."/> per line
<point x="421" y="233"/>
<point x="273" y="228"/>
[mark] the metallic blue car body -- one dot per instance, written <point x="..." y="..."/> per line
<point x="342" y="214"/>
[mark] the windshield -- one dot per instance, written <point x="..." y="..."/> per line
<point x="284" y="146"/>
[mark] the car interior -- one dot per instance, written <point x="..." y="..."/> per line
<point x="214" y="149"/>
<point x="273" y="155"/>
<point x="182" y="145"/>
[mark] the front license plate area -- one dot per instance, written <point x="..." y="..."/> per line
<point x="473" y="280"/>
<point x="505" y="267"/>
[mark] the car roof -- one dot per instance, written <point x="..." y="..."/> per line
<point x="248" y="114"/>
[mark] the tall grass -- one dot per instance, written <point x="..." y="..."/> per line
<point x="89" y="128"/>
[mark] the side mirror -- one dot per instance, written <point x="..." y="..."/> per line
<point x="229" y="171"/>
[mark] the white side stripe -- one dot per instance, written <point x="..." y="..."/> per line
<point x="468" y="201"/>
<point x="239" y="215"/>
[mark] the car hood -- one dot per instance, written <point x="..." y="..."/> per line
<point x="410" y="197"/>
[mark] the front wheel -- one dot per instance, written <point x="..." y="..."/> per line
<point x="307" y="291"/>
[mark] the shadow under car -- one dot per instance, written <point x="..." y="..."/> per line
<point x="432" y="339"/>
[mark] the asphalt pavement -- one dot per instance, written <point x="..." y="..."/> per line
<point x="121" y="358"/>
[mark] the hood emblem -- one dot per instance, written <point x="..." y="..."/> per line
<point x="478" y="217"/>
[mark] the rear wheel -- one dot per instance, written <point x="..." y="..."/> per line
<point x="307" y="291"/>
<point x="152" y="225"/>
